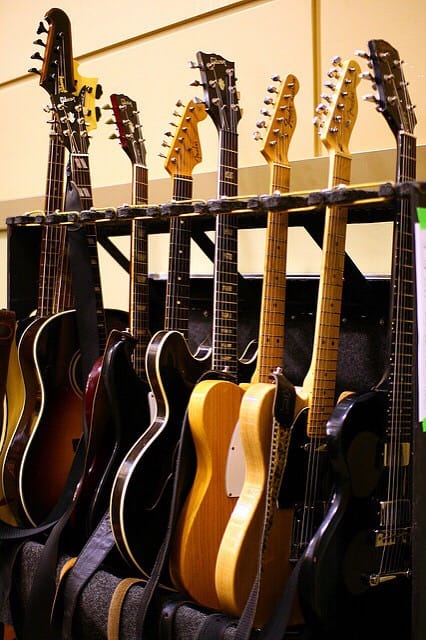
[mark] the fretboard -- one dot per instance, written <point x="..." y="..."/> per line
<point x="139" y="294"/>
<point x="51" y="291"/>
<point x="225" y="299"/>
<point x="272" y="315"/>
<point x="139" y="184"/>
<point x="320" y="381"/>
<point x="401" y="356"/>
<point x="178" y="280"/>
<point x="80" y="173"/>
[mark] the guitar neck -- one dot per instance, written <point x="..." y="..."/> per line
<point x="320" y="381"/>
<point x="225" y="299"/>
<point x="178" y="280"/>
<point x="139" y="294"/>
<point x="80" y="173"/>
<point x="139" y="184"/>
<point x="401" y="357"/>
<point x="272" y="314"/>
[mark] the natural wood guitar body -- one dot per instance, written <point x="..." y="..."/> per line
<point x="238" y="555"/>
<point x="213" y="414"/>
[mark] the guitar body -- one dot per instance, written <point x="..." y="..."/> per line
<point x="238" y="555"/>
<point x="334" y="578"/>
<point x="213" y="412"/>
<point x="42" y="448"/>
<point x="142" y="491"/>
<point x="7" y="337"/>
<point x="117" y="411"/>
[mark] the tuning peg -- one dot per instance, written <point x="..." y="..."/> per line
<point x="173" y="124"/>
<point x="265" y="112"/>
<point x="276" y="77"/>
<point x="113" y="136"/>
<point x="193" y="65"/>
<point x="366" y="75"/>
<point x="41" y="28"/>
<point x="330" y="85"/>
<point x="362" y="54"/>
<point x="97" y="113"/>
<point x="106" y="107"/>
<point x="195" y="83"/>
<point x="162" y="155"/>
<point x="34" y="70"/>
<point x="370" y="97"/>
<point x="110" y="121"/>
<point x="337" y="60"/>
<point x="333" y="72"/>
<point x="268" y="100"/>
<point x="99" y="91"/>
<point x="261" y="124"/>
<point x="36" y="56"/>
<point x="257" y="136"/>
<point x="165" y="144"/>
<point x="39" y="42"/>
<point x="321" y="108"/>
<point x="317" y="122"/>
<point x="179" y="103"/>
<point x="168" y="134"/>
<point x="272" y="89"/>
<point x="326" y="97"/>
<point x="176" y="114"/>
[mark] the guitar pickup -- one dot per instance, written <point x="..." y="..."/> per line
<point x="400" y="457"/>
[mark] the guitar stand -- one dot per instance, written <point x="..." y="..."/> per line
<point x="362" y="359"/>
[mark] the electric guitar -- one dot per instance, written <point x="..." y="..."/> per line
<point x="215" y="401"/>
<point x="255" y="521"/>
<point x="117" y="389"/>
<point x="142" y="490"/>
<point x="360" y="558"/>
<point x="47" y="387"/>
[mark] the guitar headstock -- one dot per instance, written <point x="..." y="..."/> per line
<point x="129" y="128"/>
<point x="71" y="122"/>
<point x="220" y="91"/>
<point x="185" y="148"/>
<point x="393" y="99"/>
<point x="282" y="123"/>
<point x="337" y="114"/>
<point x="59" y="72"/>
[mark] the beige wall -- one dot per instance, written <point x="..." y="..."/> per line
<point x="143" y="48"/>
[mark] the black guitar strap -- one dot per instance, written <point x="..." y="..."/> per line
<point x="214" y="627"/>
<point x="85" y="298"/>
<point x="88" y="561"/>
<point x="175" y="505"/>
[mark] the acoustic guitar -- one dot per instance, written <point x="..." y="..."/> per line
<point x="142" y="490"/>
<point x="250" y="526"/>
<point x="215" y="401"/>
<point x="358" y="564"/>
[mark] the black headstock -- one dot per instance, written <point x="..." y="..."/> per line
<point x="393" y="99"/>
<point x="220" y="91"/>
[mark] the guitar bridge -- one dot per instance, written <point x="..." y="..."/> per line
<point x="375" y="579"/>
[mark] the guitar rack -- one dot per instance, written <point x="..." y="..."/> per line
<point x="364" y="325"/>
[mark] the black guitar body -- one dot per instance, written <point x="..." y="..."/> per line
<point x="335" y="591"/>
<point x="309" y="503"/>
<point x="142" y="492"/>
<point x="119" y="414"/>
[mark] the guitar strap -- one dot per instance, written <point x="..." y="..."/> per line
<point x="85" y="298"/>
<point x="175" y="505"/>
<point x="94" y="552"/>
<point x="116" y="605"/>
